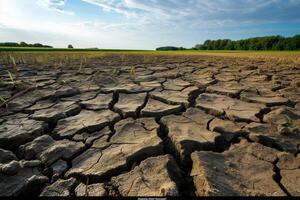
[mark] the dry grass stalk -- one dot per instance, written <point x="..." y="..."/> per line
<point x="2" y="100"/>
<point x="15" y="68"/>
<point x="16" y="96"/>
<point x="11" y="78"/>
<point x="132" y="73"/>
<point x="83" y="64"/>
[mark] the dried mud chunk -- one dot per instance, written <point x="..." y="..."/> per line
<point x="176" y="97"/>
<point x="268" y="135"/>
<point x="29" y="99"/>
<point x="291" y="181"/>
<point x="90" y="121"/>
<point x="58" y="168"/>
<point x="235" y="172"/>
<point x="281" y="143"/>
<point x="297" y="107"/>
<point x="291" y="93"/>
<point x="88" y="86"/>
<point x="27" y="180"/>
<point x="151" y="84"/>
<point x="62" y="149"/>
<point x="214" y="104"/>
<point x="156" y="176"/>
<point x="188" y="133"/>
<point x="245" y="112"/>
<point x="102" y="101"/>
<point x="81" y="97"/>
<point x="148" y="123"/>
<point x="269" y="99"/>
<point x="122" y="85"/>
<point x="175" y="84"/>
<point x="40" y="105"/>
<point x="130" y="104"/>
<point x="56" y="112"/>
<point x="48" y="150"/>
<point x="227" y="76"/>
<point x="202" y="79"/>
<point x="131" y="143"/>
<point x="227" y="128"/>
<point x="288" y="161"/>
<point x="10" y="168"/>
<point x="6" y="156"/>
<point x="172" y="74"/>
<point x="286" y="119"/>
<point x="15" y="132"/>
<point x="156" y="108"/>
<point x="231" y="89"/>
<point x="233" y="108"/>
<point x="93" y="190"/>
<point x="89" y="138"/>
<point x="60" y="188"/>
<point x="66" y="91"/>
<point x="257" y="77"/>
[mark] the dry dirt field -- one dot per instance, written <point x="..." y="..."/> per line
<point x="162" y="126"/>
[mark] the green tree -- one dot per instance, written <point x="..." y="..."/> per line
<point x="23" y="44"/>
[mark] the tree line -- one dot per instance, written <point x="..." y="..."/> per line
<point x="277" y="43"/>
<point x="23" y="44"/>
<point x="257" y="43"/>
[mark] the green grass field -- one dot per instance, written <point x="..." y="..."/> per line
<point x="290" y="56"/>
<point x="63" y="49"/>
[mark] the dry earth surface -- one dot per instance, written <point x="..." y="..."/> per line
<point x="171" y="125"/>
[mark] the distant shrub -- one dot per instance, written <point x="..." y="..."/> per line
<point x="9" y="44"/>
<point x="169" y="48"/>
<point x="70" y="46"/>
<point x="23" y="44"/>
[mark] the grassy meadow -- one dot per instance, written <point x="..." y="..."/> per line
<point x="21" y="54"/>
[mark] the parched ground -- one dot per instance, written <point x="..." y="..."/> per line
<point x="168" y="125"/>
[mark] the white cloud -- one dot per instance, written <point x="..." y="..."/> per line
<point x="112" y="5"/>
<point x="56" y="5"/>
<point x="210" y="13"/>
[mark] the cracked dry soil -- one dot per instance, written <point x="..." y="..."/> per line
<point x="204" y="126"/>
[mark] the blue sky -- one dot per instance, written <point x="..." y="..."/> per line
<point x="144" y="24"/>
